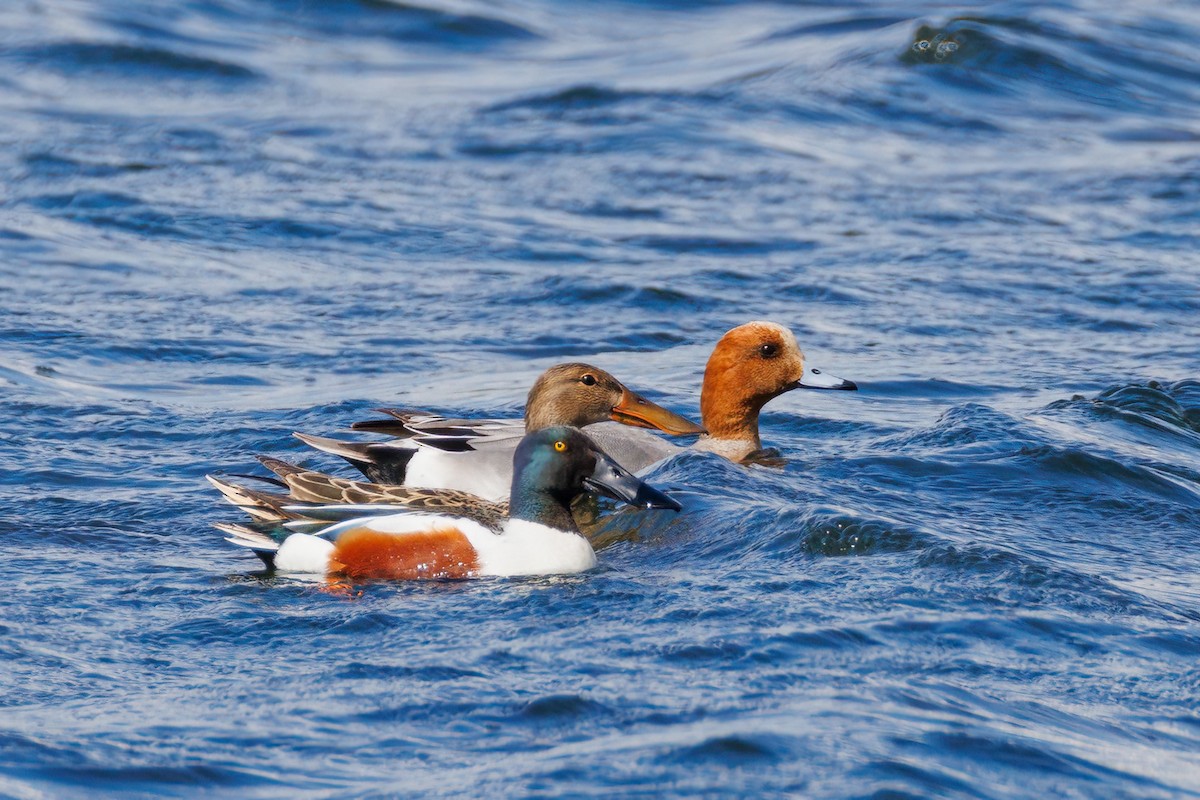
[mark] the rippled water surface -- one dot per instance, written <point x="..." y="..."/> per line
<point x="225" y="220"/>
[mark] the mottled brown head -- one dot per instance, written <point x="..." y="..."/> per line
<point x="580" y="394"/>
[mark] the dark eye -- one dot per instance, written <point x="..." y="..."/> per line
<point x="769" y="350"/>
<point x="588" y="380"/>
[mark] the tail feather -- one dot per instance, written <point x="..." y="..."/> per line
<point x="281" y="468"/>
<point x="260" y="478"/>
<point x="263" y="546"/>
<point x="339" y="512"/>
<point x="234" y="528"/>
<point x="406" y="423"/>
<point x="313" y="527"/>
<point x="390" y="427"/>
<point x="351" y="451"/>
<point x="421" y="421"/>
<point x="410" y="416"/>
<point x="433" y="430"/>
<point x="382" y="462"/>
<point x="241" y="535"/>
<point x="449" y="444"/>
<point x="243" y="499"/>
<point x="263" y="506"/>
<point x="405" y="414"/>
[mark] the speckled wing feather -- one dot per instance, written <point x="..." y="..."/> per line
<point x="316" y="487"/>
<point x="263" y="506"/>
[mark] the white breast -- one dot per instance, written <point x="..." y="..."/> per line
<point x="526" y="548"/>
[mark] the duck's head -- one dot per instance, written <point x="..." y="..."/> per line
<point x="580" y="394"/>
<point x="555" y="465"/>
<point x="750" y="365"/>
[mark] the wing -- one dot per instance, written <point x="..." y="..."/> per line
<point x="309" y="488"/>
<point x="444" y="433"/>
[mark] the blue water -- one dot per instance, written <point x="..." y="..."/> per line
<point x="225" y="220"/>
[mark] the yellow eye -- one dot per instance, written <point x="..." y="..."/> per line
<point x="560" y="446"/>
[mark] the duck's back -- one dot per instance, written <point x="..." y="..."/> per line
<point x="635" y="449"/>
<point x="486" y="472"/>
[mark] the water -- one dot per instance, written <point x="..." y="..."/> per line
<point x="224" y="220"/>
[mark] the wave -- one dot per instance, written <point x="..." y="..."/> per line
<point x="425" y="24"/>
<point x="98" y="61"/>
<point x="1000" y="53"/>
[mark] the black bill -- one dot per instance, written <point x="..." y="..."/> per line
<point x="612" y="480"/>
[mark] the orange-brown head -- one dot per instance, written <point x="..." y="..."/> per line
<point x="580" y="394"/>
<point x="750" y="365"/>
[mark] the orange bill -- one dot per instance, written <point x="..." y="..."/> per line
<point x="639" y="412"/>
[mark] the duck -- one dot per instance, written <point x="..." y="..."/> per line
<point x="750" y="365"/>
<point x="551" y="467"/>
<point x="431" y="451"/>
